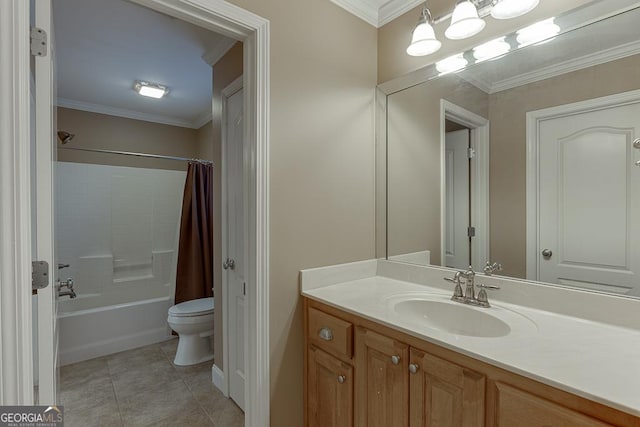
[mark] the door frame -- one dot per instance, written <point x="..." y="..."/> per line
<point x="534" y="119"/>
<point x="16" y="356"/>
<point x="221" y="379"/>
<point x="479" y="140"/>
<point x="16" y="371"/>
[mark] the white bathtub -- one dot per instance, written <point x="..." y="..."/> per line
<point x="94" y="332"/>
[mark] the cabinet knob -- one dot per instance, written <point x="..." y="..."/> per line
<point x="341" y="379"/>
<point x="413" y="368"/>
<point x="395" y="360"/>
<point x="325" y="334"/>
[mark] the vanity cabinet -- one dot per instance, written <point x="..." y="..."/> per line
<point x="361" y="373"/>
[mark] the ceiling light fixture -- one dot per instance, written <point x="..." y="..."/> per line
<point x="538" y="33"/>
<point x="152" y="90"/>
<point x="423" y="40"/>
<point x="466" y="21"/>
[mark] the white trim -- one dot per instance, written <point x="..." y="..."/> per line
<point x="395" y="8"/>
<point x="480" y="138"/>
<point x="130" y="114"/>
<point x="376" y="15"/>
<point x="215" y="54"/>
<point x="254" y="31"/>
<point x="576" y="64"/>
<point x="219" y="380"/>
<point x="16" y="366"/>
<point x="232" y="88"/>
<point x="534" y="118"/>
<point x="205" y="118"/>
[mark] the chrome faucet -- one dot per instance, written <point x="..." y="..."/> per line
<point x="489" y="268"/>
<point x="469" y="296"/>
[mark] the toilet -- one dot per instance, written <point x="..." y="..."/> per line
<point x="193" y="322"/>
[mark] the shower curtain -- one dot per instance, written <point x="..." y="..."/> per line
<point x="194" y="277"/>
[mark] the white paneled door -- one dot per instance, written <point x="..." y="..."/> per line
<point x="45" y="153"/>
<point x="457" y="213"/>
<point x="235" y="158"/>
<point x="589" y="199"/>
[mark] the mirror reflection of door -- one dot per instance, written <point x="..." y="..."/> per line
<point x="589" y="197"/>
<point x="457" y="197"/>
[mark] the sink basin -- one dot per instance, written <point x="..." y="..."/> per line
<point x="439" y="312"/>
<point x="454" y="318"/>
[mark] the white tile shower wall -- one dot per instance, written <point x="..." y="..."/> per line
<point x="118" y="228"/>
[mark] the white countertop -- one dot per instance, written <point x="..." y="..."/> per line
<point x="593" y="359"/>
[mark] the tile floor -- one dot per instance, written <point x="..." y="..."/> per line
<point x="142" y="387"/>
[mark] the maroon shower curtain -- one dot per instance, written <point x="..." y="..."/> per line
<point x="194" y="278"/>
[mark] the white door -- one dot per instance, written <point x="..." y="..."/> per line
<point x="234" y="236"/>
<point x="589" y="200"/>
<point x="457" y="214"/>
<point x="45" y="156"/>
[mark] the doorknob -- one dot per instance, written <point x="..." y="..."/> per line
<point x="229" y="264"/>
<point x="546" y="253"/>
<point x="636" y="143"/>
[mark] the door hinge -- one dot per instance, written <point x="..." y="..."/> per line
<point x="471" y="232"/>
<point x="471" y="153"/>
<point x="38" y="42"/>
<point x="244" y="288"/>
<point x="39" y="275"/>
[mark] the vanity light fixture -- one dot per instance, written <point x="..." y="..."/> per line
<point x="491" y="50"/>
<point x="451" y="64"/>
<point x="466" y="21"/>
<point x="423" y="40"/>
<point x="152" y="90"/>
<point x="538" y="33"/>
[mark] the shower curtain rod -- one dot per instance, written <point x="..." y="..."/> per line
<point x="131" y="153"/>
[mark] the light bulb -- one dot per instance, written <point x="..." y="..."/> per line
<point x="491" y="50"/>
<point x="465" y="22"/>
<point x="543" y="31"/>
<point x="451" y="64"/>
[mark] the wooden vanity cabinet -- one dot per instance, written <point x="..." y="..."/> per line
<point x="392" y="379"/>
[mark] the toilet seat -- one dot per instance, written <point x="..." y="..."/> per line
<point x="196" y="307"/>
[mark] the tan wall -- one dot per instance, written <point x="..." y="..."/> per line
<point x="394" y="37"/>
<point x="413" y="215"/>
<point x="106" y="132"/>
<point x="507" y="113"/>
<point x="323" y="75"/>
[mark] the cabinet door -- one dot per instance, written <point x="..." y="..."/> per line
<point x="519" y="408"/>
<point x="329" y="391"/>
<point x="444" y="394"/>
<point x="382" y="381"/>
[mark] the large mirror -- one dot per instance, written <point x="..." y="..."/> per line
<point x="530" y="160"/>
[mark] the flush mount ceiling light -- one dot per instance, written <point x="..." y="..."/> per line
<point x="538" y="33"/>
<point x="451" y="64"/>
<point x="507" y="9"/>
<point x="423" y="40"/>
<point x="491" y="49"/>
<point x="466" y="21"/>
<point x="152" y="90"/>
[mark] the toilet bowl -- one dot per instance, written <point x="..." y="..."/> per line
<point x="193" y="322"/>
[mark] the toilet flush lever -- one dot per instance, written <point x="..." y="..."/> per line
<point x="229" y="264"/>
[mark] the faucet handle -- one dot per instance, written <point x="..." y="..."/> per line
<point x="490" y="268"/>
<point x="491" y="287"/>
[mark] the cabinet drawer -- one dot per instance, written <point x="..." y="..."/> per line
<point x="519" y="408"/>
<point x="330" y="333"/>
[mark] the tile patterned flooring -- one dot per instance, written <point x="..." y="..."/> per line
<point x="143" y="387"/>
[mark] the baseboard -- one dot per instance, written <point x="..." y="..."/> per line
<point x="218" y="380"/>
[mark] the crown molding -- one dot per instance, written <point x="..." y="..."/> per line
<point x="215" y="54"/>
<point x="370" y="12"/>
<point x="394" y="8"/>
<point x="586" y="61"/>
<point x="128" y="114"/>
<point x="202" y="120"/>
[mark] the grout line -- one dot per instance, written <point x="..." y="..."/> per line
<point x="115" y="394"/>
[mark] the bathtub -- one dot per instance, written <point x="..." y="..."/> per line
<point x="98" y="331"/>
